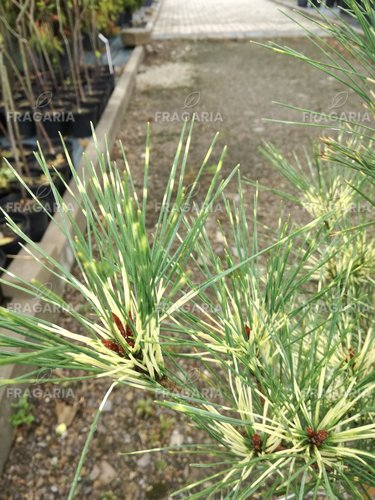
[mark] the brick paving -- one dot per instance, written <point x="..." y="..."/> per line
<point x="223" y="19"/>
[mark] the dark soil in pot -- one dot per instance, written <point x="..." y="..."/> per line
<point x="57" y="145"/>
<point x="49" y="156"/>
<point x="43" y="94"/>
<point x="38" y="183"/>
<point x="67" y="88"/>
<point x="58" y="164"/>
<point x="21" y="102"/>
<point x="37" y="217"/>
<point x="10" y="158"/>
<point x="9" y="241"/>
<point x="89" y="103"/>
<point x="41" y="189"/>
<point x="67" y="96"/>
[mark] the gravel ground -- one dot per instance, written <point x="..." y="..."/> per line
<point x="230" y="86"/>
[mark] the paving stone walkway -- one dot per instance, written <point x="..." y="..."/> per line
<point x="223" y="19"/>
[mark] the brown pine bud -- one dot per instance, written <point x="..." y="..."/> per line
<point x="316" y="438"/>
<point x="257" y="443"/>
<point x="113" y="346"/>
<point x="126" y="332"/>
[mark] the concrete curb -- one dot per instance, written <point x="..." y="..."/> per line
<point x="155" y="17"/>
<point x="141" y="36"/>
<point x="293" y="6"/>
<point x="230" y="35"/>
<point x="55" y="243"/>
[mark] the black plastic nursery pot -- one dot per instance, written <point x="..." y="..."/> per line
<point x="86" y="103"/>
<point x="38" y="221"/>
<point x="54" y="156"/>
<point x="3" y="262"/>
<point x="56" y="145"/>
<point x="346" y="6"/>
<point x="8" y="199"/>
<point x="125" y="18"/>
<point x="92" y="102"/>
<point x="67" y="95"/>
<point x="302" y="3"/>
<point x="103" y="87"/>
<point x="104" y="70"/>
<point x="86" y="42"/>
<point x="33" y="168"/>
<point x="99" y="97"/>
<point x="103" y="83"/>
<point x="25" y="122"/>
<point x="80" y="126"/>
<point x="28" y="155"/>
<point x="9" y="241"/>
<point x="107" y="80"/>
<point x="11" y="199"/>
<point x="55" y="122"/>
<point x="61" y="167"/>
<point x="43" y="192"/>
<point x="36" y="216"/>
<point x="102" y="74"/>
<point x="54" y="113"/>
<point x="63" y="170"/>
<point x="2" y="121"/>
<point x="50" y="155"/>
<point x="102" y="92"/>
<point x="95" y="98"/>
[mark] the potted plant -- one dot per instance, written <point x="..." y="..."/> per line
<point x="21" y="206"/>
<point x="9" y="240"/>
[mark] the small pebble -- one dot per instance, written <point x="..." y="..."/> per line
<point x="144" y="461"/>
<point x="176" y="438"/>
<point x="108" y="405"/>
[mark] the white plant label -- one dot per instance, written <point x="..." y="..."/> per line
<point x="103" y="39"/>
